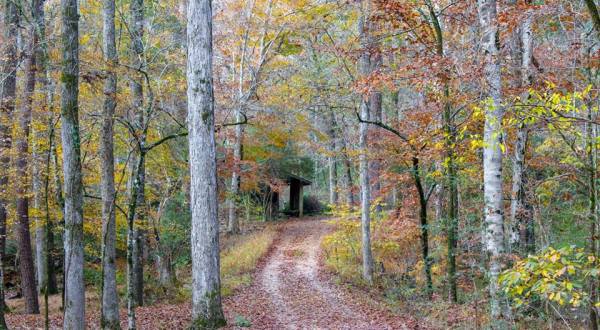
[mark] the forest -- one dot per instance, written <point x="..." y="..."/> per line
<point x="299" y="164"/>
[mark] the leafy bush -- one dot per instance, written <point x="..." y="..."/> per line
<point x="312" y="205"/>
<point x="395" y="246"/>
<point x="556" y="276"/>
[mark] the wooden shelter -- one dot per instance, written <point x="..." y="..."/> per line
<point x="296" y="184"/>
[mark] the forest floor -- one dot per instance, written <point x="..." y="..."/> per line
<point x="290" y="290"/>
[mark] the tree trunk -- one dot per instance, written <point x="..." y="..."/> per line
<point x="332" y="161"/>
<point x="43" y="262"/>
<point x="131" y="237"/>
<point x="110" y="297"/>
<point x="593" y="10"/>
<point x="492" y="154"/>
<point x="206" y="285"/>
<point x="164" y="266"/>
<point x="7" y="107"/>
<point x="592" y="165"/>
<point x="73" y="212"/>
<point x="26" y="265"/>
<point x="347" y="171"/>
<point x="450" y="161"/>
<point x="59" y="196"/>
<point x="427" y="262"/>
<point x="233" y="225"/>
<point x="376" y="109"/>
<point x="138" y="122"/>
<point x="367" y="255"/>
<point x="520" y="214"/>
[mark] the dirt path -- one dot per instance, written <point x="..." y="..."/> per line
<point x="290" y="291"/>
<point x="292" y="295"/>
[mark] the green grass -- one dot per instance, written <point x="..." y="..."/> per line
<point x="239" y="261"/>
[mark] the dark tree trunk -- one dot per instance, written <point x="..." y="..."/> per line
<point x="7" y="107"/>
<point x="423" y="224"/>
<point x="450" y="161"/>
<point x="138" y="122"/>
<point x="26" y="265"/>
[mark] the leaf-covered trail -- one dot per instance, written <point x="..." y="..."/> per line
<point x="290" y="292"/>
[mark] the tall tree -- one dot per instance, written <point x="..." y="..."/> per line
<point x="492" y="153"/>
<point x="206" y="285"/>
<point x="138" y="122"/>
<point x="73" y="188"/>
<point x="46" y="278"/>
<point x="363" y="67"/>
<point x="26" y="265"/>
<point x="110" y="297"/>
<point x="7" y="107"/>
<point x="450" y="161"/>
<point x="520" y="217"/>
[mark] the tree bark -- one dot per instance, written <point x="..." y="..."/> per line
<point x="593" y="10"/>
<point x="520" y="213"/>
<point x="206" y="285"/>
<point x="332" y="161"/>
<point x="7" y="107"/>
<point x="592" y="209"/>
<point x="423" y="199"/>
<point x="492" y="154"/>
<point x="131" y="236"/>
<point x="138" y="121"/>
<point x="376" y="109"/>
<point x="450" y="161"/>
<point x="367" y="255"/>
<point x="40" y="157"/>
<point x="233" y="225"/>
<point x="26" y="265"/>
<point x="347" y="170"/>
<point x="74" y="317"/>
<point x="110" y="297"/>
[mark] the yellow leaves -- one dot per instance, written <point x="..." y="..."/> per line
<point x="555" y="275"/>
<point x="85" y="39"/>
<point x="477" y="144"/>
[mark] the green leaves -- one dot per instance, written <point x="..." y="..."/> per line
<point x="554" y="275"/>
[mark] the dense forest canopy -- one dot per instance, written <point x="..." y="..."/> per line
<point x="442" y="157"/>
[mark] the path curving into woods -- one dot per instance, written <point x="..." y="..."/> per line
<point x="290" y="291"/>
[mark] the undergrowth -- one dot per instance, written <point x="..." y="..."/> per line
<point x="241" y="258"/>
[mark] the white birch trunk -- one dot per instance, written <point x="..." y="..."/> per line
<point x="206" y="287"/>
<point x="492" y="153"/>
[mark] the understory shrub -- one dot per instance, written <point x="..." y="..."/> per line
<point x="560" y="277"/>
